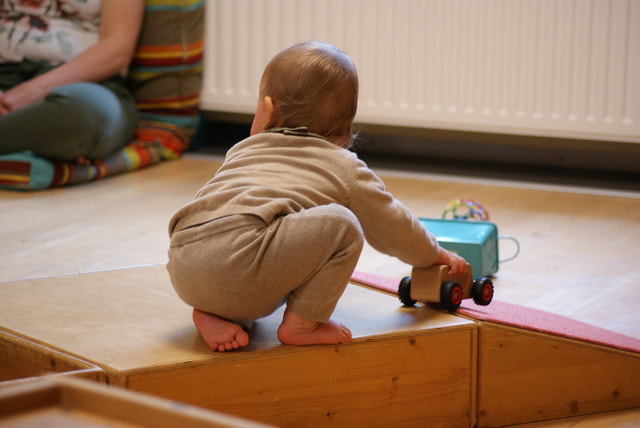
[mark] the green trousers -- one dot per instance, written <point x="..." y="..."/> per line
<point x="82" y="119"/>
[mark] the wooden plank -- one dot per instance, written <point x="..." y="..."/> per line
<point x="21" y="359"/>
<point x="620" y="419"/>
<point x="56" y="402"/>
<point x="525" y="376"/>
<point x="412" y="379"/>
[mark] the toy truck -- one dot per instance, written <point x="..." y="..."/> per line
<point x="435" y="285"/>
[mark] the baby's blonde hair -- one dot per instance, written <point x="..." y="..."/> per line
<point x="315" y="85"/>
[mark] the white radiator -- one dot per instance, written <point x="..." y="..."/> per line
<point x="564" y="68"/>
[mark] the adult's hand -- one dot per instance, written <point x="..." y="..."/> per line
<point x="3" y="108"/>
<point x="21" y="96"/>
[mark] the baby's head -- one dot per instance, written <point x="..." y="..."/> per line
<point x="311" y="84"/>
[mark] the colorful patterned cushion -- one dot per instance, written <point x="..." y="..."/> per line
<point x="165" y="78"/>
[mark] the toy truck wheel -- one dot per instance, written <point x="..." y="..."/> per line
<point x="404" y="291"/>
<point x="482" y="291"/>
<point x="450" y="295"/>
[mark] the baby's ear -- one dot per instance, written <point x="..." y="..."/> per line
<point x="344" y="142"/>
<point x="269" y="108"/>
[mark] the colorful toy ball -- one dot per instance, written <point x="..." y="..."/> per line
<point x="466" y="209"/>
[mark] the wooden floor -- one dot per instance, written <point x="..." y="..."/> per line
<point x="579" y="247"/>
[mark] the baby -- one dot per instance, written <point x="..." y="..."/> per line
<point x="284" y="219"/>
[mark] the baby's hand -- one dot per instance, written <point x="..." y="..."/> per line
<point x="457" y="264"/>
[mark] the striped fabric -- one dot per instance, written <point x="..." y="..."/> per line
<point x="165" y="75"/>
<point x="165" y="79"/>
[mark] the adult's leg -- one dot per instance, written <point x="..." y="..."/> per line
<point x="81" y="119"/>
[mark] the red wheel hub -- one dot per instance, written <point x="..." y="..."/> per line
<point x="456" y="295"/>
<point x="487" y="292"/>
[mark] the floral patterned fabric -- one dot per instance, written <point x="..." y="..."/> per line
<point x="47" y="30"/>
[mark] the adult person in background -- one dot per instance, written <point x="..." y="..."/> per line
<point x="62" y="76"/>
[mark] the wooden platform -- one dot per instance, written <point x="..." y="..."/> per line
<point x="524" y="376"/>
<point x="404" y="367"/>
<point x="22" y="359"/>
<point x="67" y="403"/>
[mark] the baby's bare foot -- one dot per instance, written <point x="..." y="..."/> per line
<point x="221" y="335"/>
<point x="296" y="330"/>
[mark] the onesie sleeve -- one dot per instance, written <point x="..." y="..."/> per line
<point x="388" y="225"/>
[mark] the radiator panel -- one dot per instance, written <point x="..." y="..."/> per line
<point x="535" y="67"/>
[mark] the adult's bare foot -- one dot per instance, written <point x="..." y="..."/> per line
<point x="219" y="334"/>
<point x="296" y="330"/>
